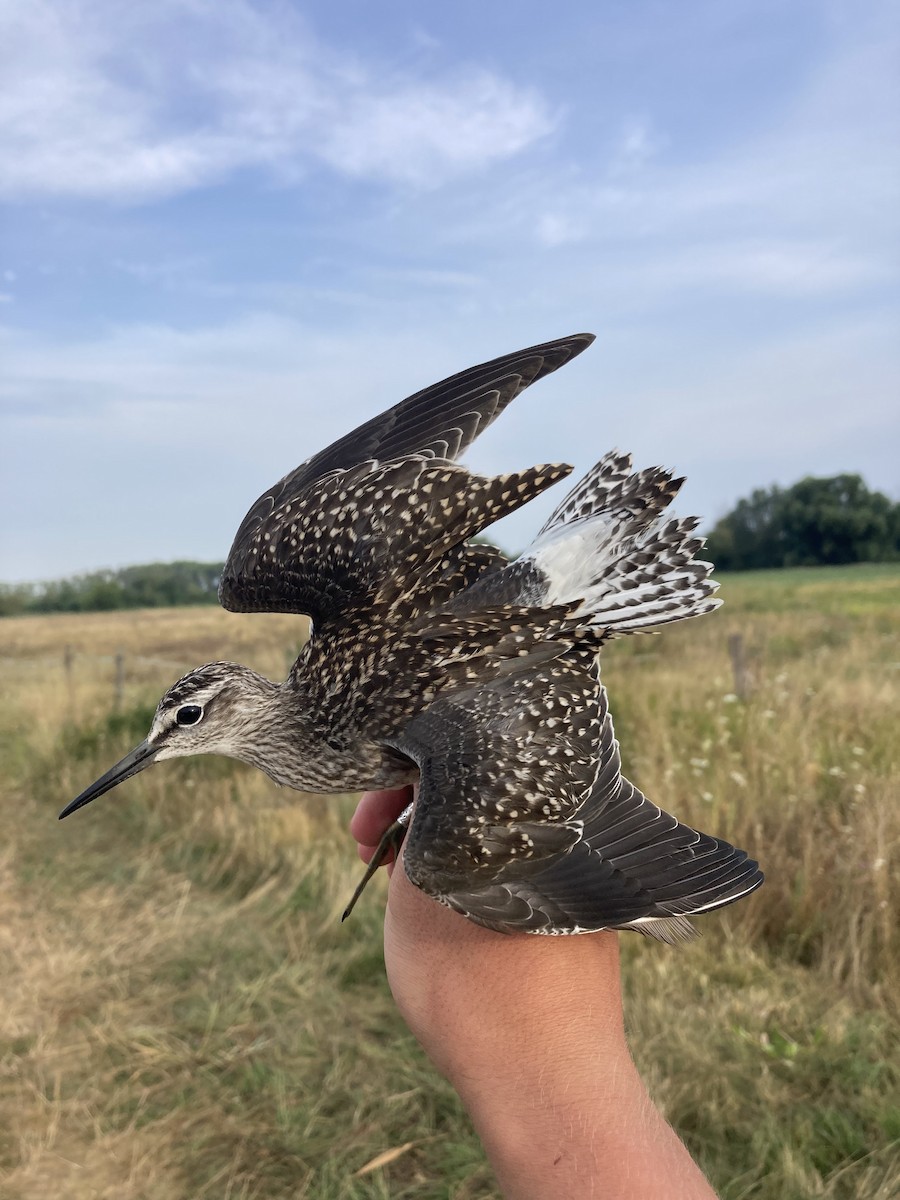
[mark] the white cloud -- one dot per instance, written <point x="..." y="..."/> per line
<point x="133" y="101"/>
<point x="422" y="133"/>
<point x="805" y="202"/>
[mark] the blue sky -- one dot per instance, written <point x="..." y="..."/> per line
<point x="232" y="229"/>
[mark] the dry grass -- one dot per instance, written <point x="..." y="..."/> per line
<point x="183" y="1016"/>
<point x="804" y="773"/>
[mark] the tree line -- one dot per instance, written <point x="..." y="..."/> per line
<point x="155" y="585"/>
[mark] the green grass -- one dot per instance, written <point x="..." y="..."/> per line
<point x="832" y="591"/>
<point x="183" y="1015"/>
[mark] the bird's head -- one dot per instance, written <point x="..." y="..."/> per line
<point x="208" y="711"/>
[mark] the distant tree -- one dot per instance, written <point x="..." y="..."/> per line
<point x="154" y="585"/>
<point x="833" y="520"/>
<point x="13" y="599"/>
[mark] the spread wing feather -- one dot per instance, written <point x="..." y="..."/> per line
<point x="277" y="558"/>
<point x="444" y="419"/>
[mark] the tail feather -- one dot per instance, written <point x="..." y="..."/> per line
<point x="611" y="487"/>
<point x="608" y="547"/>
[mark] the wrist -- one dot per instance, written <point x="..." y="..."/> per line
<point x="490" y="1007"/>
<point x="529" y="1030"/>
<point x="558" y="1112"/>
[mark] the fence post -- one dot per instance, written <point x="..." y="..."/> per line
<point x="120" y="681"/>
<point x="68" y="661"/>
<point x="742" y="685"/>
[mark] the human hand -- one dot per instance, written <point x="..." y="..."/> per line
<point x="447" y="973"/>
<point x="530" y="1032"/>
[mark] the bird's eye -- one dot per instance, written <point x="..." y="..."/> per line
<point x="189" y="714"/>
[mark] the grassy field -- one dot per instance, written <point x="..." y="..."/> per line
<point x="183" y="1016"/>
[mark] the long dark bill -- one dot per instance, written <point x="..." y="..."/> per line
<point x="140" y="757"/>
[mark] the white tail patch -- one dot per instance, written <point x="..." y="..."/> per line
<point x="609" y="547"/>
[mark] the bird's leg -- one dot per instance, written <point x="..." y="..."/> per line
<point x="391" y="839"/>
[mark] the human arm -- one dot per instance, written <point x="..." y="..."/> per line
<point x="530" y="1033"/>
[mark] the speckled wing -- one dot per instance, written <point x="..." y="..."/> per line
<point x="525" y="823"/>
<point x="365" y="537"/>
<point x="458" y="569"/>
<point x="267" y="567"/>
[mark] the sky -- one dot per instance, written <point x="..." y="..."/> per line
<point x="231" y="230"/>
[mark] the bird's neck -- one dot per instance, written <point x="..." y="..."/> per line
<point x="280" y="732"/>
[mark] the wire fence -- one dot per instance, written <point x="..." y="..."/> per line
<point x="123" y="669"/>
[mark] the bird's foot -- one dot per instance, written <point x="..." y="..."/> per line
<point x="391" y="839"/>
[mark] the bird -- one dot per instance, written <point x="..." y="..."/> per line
<point x="435" y="660"/>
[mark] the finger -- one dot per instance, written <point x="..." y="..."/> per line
<point x="366" y="853"/>
<point x="375" y="812"/>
